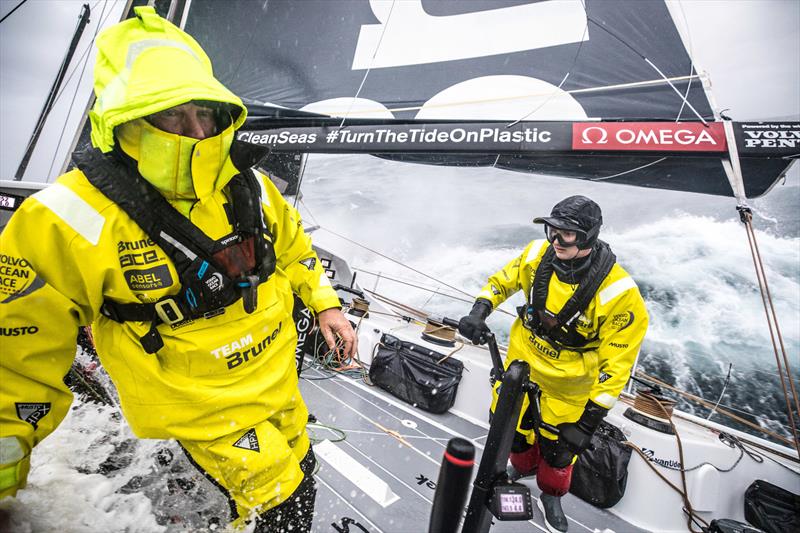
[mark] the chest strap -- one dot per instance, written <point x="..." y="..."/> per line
<point x="213" y="274"/>
<point x="560" y="330"/>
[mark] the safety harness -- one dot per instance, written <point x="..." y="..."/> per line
<point x="560" y="330"/>
<point x="213" y="274"/>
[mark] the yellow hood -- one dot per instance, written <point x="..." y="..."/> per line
<point x="145" y="65"/>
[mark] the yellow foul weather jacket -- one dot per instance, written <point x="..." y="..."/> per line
<point x="69" y="248"/>
<point x="616" y="318"/>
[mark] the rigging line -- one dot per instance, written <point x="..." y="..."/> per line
<point x="303" y="162"/>
<point x="649" y="63"/>
<point x="537" y="108"/>
<point x="385" y="257"/>
<point x="685" y="494"/>
<point x="396" y="261"/>
<point x="708" y="404"/>
<point x="691" y="60"/>
<point x="75" y="94"/>
<point x="686" y="94"/>
<point x="384" y="276"/>
<point x="766" y="298"/>
<point x="252" y="36"/>
<point x="628" y="171"/>
<point x="405" y="282"/>
<point x="364" y="79"/>
<point x="721" y="394"/>
<point x="569" y="70"/>
<point x="9" y="13"/>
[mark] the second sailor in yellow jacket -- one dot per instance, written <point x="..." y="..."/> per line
<point x="580" y="331"/>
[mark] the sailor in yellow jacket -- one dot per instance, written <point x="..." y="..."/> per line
<point x="580" y="331"/>
<point x="201" y="349"/>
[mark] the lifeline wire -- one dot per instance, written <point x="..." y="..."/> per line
<point x="706" y="403"/>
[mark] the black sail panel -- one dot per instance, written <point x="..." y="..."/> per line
<point x="424" y="62"/>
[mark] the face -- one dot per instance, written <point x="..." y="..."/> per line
<point x="189" y="120"/>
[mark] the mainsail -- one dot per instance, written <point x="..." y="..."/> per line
<point x="470" y="83"/>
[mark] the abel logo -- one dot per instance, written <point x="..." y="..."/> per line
<point x="649" y="136"/>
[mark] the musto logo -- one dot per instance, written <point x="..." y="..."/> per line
<point x="649" y="136"/>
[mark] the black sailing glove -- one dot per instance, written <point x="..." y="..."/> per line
<point x="473" y="326"/>
<point x="578" y="435"/>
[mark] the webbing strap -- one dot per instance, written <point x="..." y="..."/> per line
<point x="590" y="282"/>
<point x="174" y="233"/>
<point x="183" y="242"/>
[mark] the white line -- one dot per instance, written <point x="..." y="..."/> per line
<point x="362" y="415"/>
<point x="408" y="410"/>
<point x="442" y="440"/>
<point x="347" y="502"/>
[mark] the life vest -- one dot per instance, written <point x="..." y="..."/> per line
<point x="560" y="330"/>
<point x="213" y="274"/>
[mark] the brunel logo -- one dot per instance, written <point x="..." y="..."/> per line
<point x="649" y="136"/>
<point x="243" y="350"/>
<point x="544" y="348"/>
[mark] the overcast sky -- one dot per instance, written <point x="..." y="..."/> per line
<point x="750" y="48"/>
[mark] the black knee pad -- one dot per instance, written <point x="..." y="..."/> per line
<point x="555" y="453"/>
<point x="520" y="443"/>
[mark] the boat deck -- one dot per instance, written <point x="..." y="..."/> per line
<point x="382" y="476"/>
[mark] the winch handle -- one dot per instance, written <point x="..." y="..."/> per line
<point x="491" y="342"/>
<point x="450" y="322"/>
<point x="345" y="288"/>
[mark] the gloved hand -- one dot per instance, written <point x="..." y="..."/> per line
<point x="473" y="326"/>
<point x="578" y="435"/>
<point x="14" y="466"/>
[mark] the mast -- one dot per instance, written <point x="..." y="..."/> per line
<point x="51" y="98"/>
<point x="82" y="131"/>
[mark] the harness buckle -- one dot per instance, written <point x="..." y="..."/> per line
<point x="249" y="289"/>
<point x="109" y="310"/>
<point x="168" y="311"/>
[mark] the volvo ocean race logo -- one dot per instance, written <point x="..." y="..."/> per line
<point x="649" y="136"/>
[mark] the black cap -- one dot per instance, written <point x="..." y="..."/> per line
<point x="576" y="213"/>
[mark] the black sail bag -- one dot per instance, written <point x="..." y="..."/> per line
<point x="414" y="374"/>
